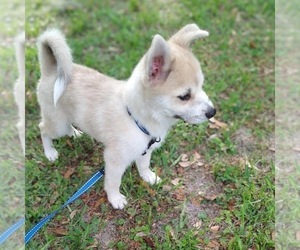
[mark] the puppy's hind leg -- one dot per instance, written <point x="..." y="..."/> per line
<point x="47" y="137"/>
<point x="143" y="164"/>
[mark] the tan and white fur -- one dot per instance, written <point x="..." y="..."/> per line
<point x="165" y="86"/>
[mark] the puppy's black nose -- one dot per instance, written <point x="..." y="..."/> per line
<point x="209" y="114"/>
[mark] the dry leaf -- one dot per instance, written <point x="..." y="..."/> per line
<point x="113" y="49"/>
<point x="180" y="170"/>
<point x="213" y="136"/>
<point x="11" y="181"/>
<point x="53" y="185"/>
<point x="102" y="200"/>
<point x="69" y="143"/>
<point x="296" y="149"/>
<point x="95" y="245"/>
<point x="208" y="196"/>
<point x="176" y="181"/>
<point x="298" y="235"/>
<point x="197" y="156"/>
<point x="215" y="229"/>
<point x="184" y="164"/>
<point x="73" y="213"/>
<point x="149" y="242"/>
<point x="211" y="197"/>
<point x="184" y="157"/>
<point x="65" y="221"/>
<point x="59" y="231"/>
<point x="69" y="172"/>
<point x="53" y="198"/>
<point x="213" y="244"/>
<point x="273" y="235"/>
<point x="166" y="188"/>
<point x="200" y="164"/>
<point x="149" y="189"/>
<point x="198" y="224"/>
<point x="179" y="195"/>
<point x="171" y="231"/>
<point x="214" y="123"/>
<point x="231" y="205"/>
<point x="141" y="234"/>
<point x="252" y="45"/>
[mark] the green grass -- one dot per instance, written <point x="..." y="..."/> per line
<point x="111" y="36"/>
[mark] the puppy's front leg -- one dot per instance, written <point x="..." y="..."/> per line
<point x="115" y="167"/>
<point x="143" y="164"/>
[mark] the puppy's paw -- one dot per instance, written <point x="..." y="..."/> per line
<point x="51" y="154"/>
<point x="118" y="201"/>
<point x="151" y="177"/>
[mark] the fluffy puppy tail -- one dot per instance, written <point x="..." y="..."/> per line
<point x="55" y="60"/>
<point x="20" y="54"/>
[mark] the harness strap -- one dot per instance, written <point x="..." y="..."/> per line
<point x="151" y="142"/>
<point x="145" y="131"/>
<point x="141" y="127"/>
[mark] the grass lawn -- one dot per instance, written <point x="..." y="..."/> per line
<point x="218" y="180"/>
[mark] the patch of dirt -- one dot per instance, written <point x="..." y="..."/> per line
<point x="211" y="210"/>
<point x="200" y="184"/>
<point x="109" y="230"/>
<point x="107" y="235"/>
<point x="201" y="181"/>
<point x="199" y="189"/>
<point x="158" y="227"/>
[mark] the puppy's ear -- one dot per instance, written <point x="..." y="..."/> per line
<point x="158" y="60"/>
<point x="188" y="34"/>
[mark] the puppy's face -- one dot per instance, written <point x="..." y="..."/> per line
<point x="174" y="80"/>
<point x="181" y="95"/>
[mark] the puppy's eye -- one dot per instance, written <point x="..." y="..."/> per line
<point x="185" y="97"/>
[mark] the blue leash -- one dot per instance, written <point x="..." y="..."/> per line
<point x="28" y="236"/>
<point x="11" y="230"/>
<point x="96" y="177"/>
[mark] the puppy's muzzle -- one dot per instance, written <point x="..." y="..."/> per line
<point x="210" y="113"/>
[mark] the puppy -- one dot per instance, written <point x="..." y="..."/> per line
<point x="130" y="118"/>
